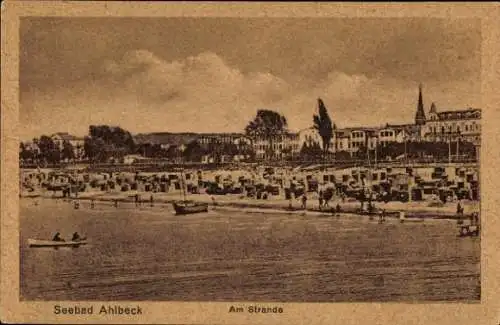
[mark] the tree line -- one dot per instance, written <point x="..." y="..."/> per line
<point x="45" y="150"/>
<point x="106" y="143"/>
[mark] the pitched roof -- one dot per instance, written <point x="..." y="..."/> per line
<point x="66" y="136"/>
<point x="166" y="138"/>
<point x="470" y="113"/>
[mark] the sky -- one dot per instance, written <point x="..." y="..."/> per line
<point x="213" y="74"/>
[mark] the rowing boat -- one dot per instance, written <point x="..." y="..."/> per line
<point x="403" y="218"/>
<point x="190" y="207"/>
<point x="52" y="243"/>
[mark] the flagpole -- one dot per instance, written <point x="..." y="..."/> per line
<point x="449" y="149"/>
<point x="406" y="155"/>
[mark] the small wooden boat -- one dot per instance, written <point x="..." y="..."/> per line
<point x="468" y="230"/>
<point x="187" y="207"/>
<point x="404" y="219"/>
<point x="52" y="243"/>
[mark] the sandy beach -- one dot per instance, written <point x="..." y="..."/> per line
<point x="417" y="209"/>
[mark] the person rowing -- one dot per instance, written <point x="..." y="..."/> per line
<point x="57" y="237"/>
<point x="76" y="237"/>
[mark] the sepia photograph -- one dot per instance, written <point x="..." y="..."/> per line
<point x="222" y="159"/>
<point x="251" y="161"/>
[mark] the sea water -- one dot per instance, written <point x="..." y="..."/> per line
<point x="148" y="253"/>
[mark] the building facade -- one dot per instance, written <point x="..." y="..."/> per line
<point x="76" y="142"/>
<point x="311" y="136"/>
<point x="449" y="125"/>
<point x="464" y="125"/>
<point x="281" y="146"/>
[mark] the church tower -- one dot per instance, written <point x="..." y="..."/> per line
<point x="420" y="115"/>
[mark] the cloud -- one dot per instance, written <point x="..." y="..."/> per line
<point x="220" y="95"/>
<point x="144" y="93"/>
<point x="153" y="80"/>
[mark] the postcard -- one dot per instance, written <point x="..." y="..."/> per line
<point x="249" y="163"/>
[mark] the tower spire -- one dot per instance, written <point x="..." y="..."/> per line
<point x="433" y="108"/>
<point x="420" y="115"/>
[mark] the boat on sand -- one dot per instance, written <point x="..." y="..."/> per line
<point x="52" y="243"/>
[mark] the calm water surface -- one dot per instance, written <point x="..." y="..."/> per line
<point x="151" y="254"/>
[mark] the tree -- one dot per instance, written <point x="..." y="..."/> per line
<point x="49" y="151"/>
<point x="106" y="141"/>
<point x="311" y="150"/>
<point x="96" y="149"/>
<point x="90" y="148"/>
<point x="361" y="154"/>
<point x="268" y="125"/>
<point x="230" y="149"/>
<point x="323" y="124"/>
<point x="172" y="152"/>
<point x="194" y="151"/>
<point x="68" y="151"/>
<point x="25" y="154"/>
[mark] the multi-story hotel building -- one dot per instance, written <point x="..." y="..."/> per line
<point x="280" y="146"/>
<point x="450" y="125"/>
<point x="438" y="126"/>
<point x="76" y="142"/>
<point x="453" y="125"/>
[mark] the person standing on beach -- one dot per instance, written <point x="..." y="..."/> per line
<point x="151" y="200"/>
<point x="320" y="199"/>
<point x="459" y="208"/>
<point x="381" y="216"/>
<point x="304" y="201"/>
<point x="92" y="203"/>
<point x="476" y="218"/>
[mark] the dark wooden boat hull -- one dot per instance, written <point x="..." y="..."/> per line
<point x="181" y="208"/>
